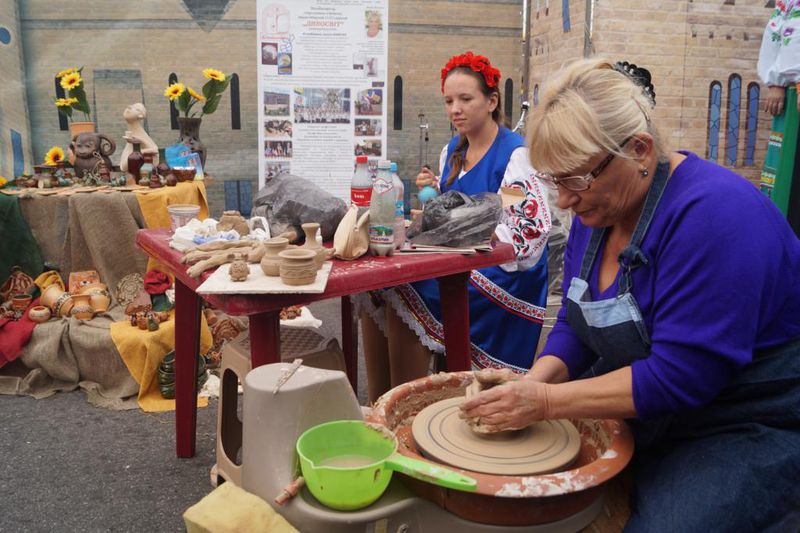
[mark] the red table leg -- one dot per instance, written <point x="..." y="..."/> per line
<point x="455" y="319"/>
<point x="265" y="338"/>
<point x="350" y="342"/>
<point x="187" y="347"/>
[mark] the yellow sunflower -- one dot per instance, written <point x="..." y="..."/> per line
<point x="213" y="74"/>
<point x="71" y="80"/>
<point x="53" y="156"/>
<point x="66" y="102"/>
<point x="196" y="95"/>
<point x="174" y="91"/>
<point x="3" y="181"/>
<point x="65" y="72"/>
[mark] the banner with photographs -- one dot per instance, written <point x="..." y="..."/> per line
<point x="322" y="88"/>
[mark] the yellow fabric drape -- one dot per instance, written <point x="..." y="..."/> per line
<point x="142" y="351"/>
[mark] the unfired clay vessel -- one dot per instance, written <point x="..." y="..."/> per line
<point x="311" y="229"/>
<point x="233" y="220"/>
<point x="270" y="263"/>
<point x="298" y="266"/>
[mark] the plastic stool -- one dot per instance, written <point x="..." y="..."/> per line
<point x="235" y="366"/>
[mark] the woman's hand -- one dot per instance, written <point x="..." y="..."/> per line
<point x="773" y="104"/>
<point x="512" y="405"/>
<point x="426" y="178"/>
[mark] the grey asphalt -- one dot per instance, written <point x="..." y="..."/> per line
<point x="66" y="465"/>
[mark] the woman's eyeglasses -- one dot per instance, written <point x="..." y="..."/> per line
<point x="579" y="183"/>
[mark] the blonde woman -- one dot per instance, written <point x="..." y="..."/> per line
<point x="681" y="313"/>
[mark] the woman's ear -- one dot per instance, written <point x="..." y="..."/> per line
<point x="642" y="145"/>
<point x="493" y="100"/>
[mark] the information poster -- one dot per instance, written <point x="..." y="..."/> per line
<point x="322" y="88"/>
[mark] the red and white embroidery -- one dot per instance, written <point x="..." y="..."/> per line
<point x="529" y="220"/>
<point x="506" y="300"/>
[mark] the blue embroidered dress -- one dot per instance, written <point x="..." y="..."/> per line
<point x="506" y="307"/>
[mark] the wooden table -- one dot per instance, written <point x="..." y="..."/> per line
<point x="263" y="310"/>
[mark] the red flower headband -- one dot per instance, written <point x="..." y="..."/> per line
<point x="479" y="64"/>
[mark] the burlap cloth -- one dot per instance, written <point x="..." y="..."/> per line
<point x="65" y="354"/>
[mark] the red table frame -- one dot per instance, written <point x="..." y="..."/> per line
<point x="263" y="310"/>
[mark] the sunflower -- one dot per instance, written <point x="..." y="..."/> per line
<point x="65" y="72"/>
<point x="66" y="102"/>
<point x="174" y="91"/>
<point x="54" y="156"/>
<point x="71" y="80"/>
<point x="3" y="181"/>
<point x="213" y="74"/>
<point x="195" y="95"/>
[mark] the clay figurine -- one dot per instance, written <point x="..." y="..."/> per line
<point x="239" y="269"/>
<point x="134" y="115"/>
<point x="90" y="149"/>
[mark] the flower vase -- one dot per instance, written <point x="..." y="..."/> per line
<point x="190" y="136"/>
<point x="80" y="127"/>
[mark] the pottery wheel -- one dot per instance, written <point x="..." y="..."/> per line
<point x="544" y="447"/>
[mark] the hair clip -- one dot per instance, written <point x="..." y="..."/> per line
<point x="640" y="76"/>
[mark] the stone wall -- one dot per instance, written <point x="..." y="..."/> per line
<point x="687" y="45"/>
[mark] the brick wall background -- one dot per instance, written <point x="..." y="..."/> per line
<point x="129" y="50"/>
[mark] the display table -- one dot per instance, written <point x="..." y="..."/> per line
<point x="347" y="277"/>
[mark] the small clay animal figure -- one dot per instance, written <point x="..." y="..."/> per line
<point x="90" y="149"/>
<point x="239" y="269"/>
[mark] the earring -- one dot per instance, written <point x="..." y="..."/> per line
<point x="644" y="172"/>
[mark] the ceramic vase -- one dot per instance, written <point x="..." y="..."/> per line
<point x="298" y="266"/>
<point x="311" y="229"/>
<point x="39" y="314"/>
<point x="99" y="297"/>
<point x="82" y="309"/>
<point x="51" y="294"/>
<point x="271" y="262"/>
<point x="190" y="136"/>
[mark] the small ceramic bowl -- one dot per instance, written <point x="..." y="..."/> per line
<point x="39" y="314"/>
<point x="20" y="302"/>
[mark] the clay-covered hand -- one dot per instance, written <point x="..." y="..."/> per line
<point x="512" y="405"/>
<point x="425" y="178"/>
<point x="487" y="378"/>
<point x="773" y="104"/>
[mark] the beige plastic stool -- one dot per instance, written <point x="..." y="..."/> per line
<point x="235" y="366"/>
<point x="314" y="349"/>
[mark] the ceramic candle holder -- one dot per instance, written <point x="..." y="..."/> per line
<point x="39" y="314"/>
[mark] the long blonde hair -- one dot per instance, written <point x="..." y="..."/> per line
<point x="587" y="108"/>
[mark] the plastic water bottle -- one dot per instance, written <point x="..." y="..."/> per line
<point x="361" y="186"/>
<point x="381" y="212"/>
<point x="399" y="210"/>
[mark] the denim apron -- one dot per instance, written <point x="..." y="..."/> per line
<point x="732" y="465"/>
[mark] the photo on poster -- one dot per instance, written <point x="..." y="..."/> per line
<point x="367" y="127"/>
<point x="275" y="21"/>
<point x="373" y="24"/>
<point x="358" y="61"/>
<point x="370" y="102"/>
<point x="274" y="168"/>
<point x="368" y="147"/>
<point x="371" y="64"/>
<point x="284" y="63"/>
<point x="280" y="129"/>
<point x="269" y="53"/>
<point x="277" y="149"/>
<point x="276" y="102"/>
<point x="321" y="106"/>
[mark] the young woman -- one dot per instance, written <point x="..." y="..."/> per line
<point x="402" y="325"/>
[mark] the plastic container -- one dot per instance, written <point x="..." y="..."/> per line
<point x="399" y="210"/>
<point x="381" y="212"/>
<point x="181" y="214"/>
<point x="361" y="185"/>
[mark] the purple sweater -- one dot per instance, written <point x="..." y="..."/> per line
<point x="723" y="282"/>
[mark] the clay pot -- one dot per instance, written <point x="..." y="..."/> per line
<point x="82" y="308"/>
<point x="298" y="266"/>
<point x="311" y="229"/>
<point x="51" y="295"/>
<point x="233" y="220"/>
<point x="39" y="314"/>
<point x="271" y="262"/>
<point x="99" y="297"/>
<point x="20" y="302"/>
<point x="63" y="305"/>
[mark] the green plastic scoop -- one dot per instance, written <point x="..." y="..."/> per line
<point x="347" y="464"/>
